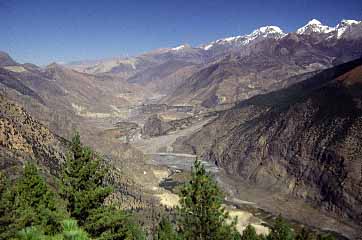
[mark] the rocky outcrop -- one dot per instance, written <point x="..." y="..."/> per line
<point x="22" y="138"/>
<point x="303" y="140"/>
<point x="156" y="126"/>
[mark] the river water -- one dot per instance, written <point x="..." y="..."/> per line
<point x="176" y="161"/>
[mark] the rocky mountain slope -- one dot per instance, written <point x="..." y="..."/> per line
<point x="313" y="46"/>
<point x="22" y="138"/>
<point x="303" y="140"/>
<point x="127" y="67"/>
<point x="166" y="77"/>
<point x="56" y="101"/>
<point x="59" y="97"/>
<point x="236" y="68"/>
<point x="265" y="59"/>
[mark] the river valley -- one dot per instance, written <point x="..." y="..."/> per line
<point x="250" y="205"/>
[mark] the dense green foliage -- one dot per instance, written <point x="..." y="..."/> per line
<point x="30" y="202"/>
<point x="249" y="233"/>
<point x="306" y="235"/>
<point x="84" y="189"/>
<point x="166" y="231"/>
<point x="70" y="231"/>
<point x="281" y="230"/>
<point x="110" y="223"/>
<point x="29" y="209"/>
<point x="201" y="215"/>
<point x="30" y="233"/>
<point x="4" y="216"/>
<point x="82" y="181"/>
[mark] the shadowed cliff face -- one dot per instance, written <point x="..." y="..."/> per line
<point x="303" y="140"/>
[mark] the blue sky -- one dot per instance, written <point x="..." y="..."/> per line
<point x="44" y="31"/>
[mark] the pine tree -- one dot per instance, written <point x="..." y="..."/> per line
<point x="281" y="230"/>
<point x="304" y="234"/>
<point x="5" y="205"/>
<point x="70" y="231"/>
<point x="31" y="233"/>
<point x="82" y="181"/>
<point x="3" y="183"/>
<point x="30" y="202"/>
<point x="83" y="189"/>
<point x="166" y="231"/>
<point x="325" y="237"/>
<point x="249" y="233"/>
<point x="201" y="215"/>
<point x="110" y="223"/>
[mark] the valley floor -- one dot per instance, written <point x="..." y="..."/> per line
<point x="251" y="205"/>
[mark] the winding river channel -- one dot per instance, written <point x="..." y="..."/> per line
<point x="256" y="208"/>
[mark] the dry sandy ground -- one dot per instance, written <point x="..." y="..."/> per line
<point x="161" y="174"/>
<point x="168" y="199"/>
<point x="245" y="218"/>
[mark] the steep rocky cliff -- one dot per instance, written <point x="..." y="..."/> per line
<point x="303" y="140"/>
<point x="23" y="138"/>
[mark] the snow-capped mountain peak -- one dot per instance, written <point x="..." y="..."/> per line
<point x="342" y="27"/>
<point x="349" y="22"/>
<point x="263" y="33"/>
<point x="268" y="29"/>
<point x="257" y="35"/>
<point x="178" y="48"/>
<point x="350" y="29"/>
<point x="314" y="22"/>
<point x="314" y="26"/>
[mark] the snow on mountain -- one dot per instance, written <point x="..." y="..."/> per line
<point x="342" y="27"/>
<point x="273" y="32"/>
<point x="258" y="34"/>
<point x="346" y="29"/>
<point x="179" y="48"/>
<point x="314" y="26"/>
<point x="350" y="22"/>
<point x="264" y="32"/>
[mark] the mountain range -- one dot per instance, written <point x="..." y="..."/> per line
<point x="236" y="68"/>
<point x="302" y="140"/>
<point x="290" y="121"/>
